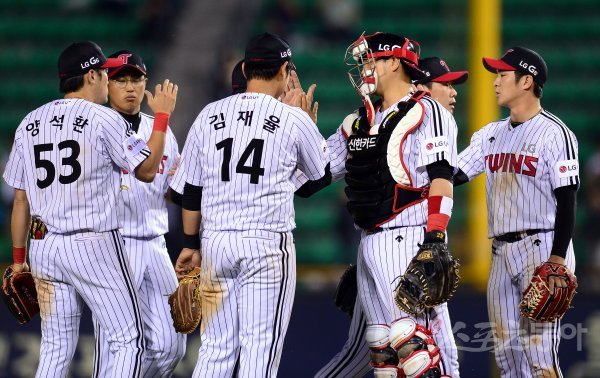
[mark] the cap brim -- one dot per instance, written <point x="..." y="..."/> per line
<point x="457" y="77"/>
<point x="495" y="65"/>
<point x="113" y="71"/>
<point x="112" y="63"/>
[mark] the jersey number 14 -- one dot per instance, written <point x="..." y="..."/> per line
<point x="255" y="148"/>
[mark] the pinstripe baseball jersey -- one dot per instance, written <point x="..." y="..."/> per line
<point x="243" y="151"/>
<point x="434" y="140"/>
<point x="523" y="166"/>
<point x="144" y="211"/>
<point x="63" y="144"/>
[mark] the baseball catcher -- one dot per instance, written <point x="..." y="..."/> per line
<point x="186" y="308"/>
<point x="542" y="304"/>
<point x="431" y="277"/>
<point x="18" y="291"/>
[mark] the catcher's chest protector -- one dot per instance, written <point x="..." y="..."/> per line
<point x="374" y="192"/>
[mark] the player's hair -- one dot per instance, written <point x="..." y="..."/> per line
<point x="429" y="85"/>
<point x="73" y="84"/>
<point x="537" y="90"/>
<point x="261" y="72"/>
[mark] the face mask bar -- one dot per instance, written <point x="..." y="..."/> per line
<point x="362" y="72"/>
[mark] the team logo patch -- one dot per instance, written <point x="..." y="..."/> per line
<point x="567" y="168"/>
<point x="435" y="145"/>
<point x="134" y="145"/>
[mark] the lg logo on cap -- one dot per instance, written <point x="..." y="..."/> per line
<point x="530" y="68"/>
<point x="388" y="47"/>
<point x="93" y="60"/>
<point x="285" y="54"/>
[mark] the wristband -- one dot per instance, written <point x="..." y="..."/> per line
<point x="191" y="241"/>
<point x="439" y="212"/>
<point x="19" y="255"/>
<point x="161" y="122"/>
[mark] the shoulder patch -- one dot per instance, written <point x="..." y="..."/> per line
<point x="567" y="168"/>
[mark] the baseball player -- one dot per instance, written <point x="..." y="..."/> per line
<point x="532" y="176"/>
<point x="399" y="175"/>
<point x="145" y="221"/>
<point x="64" y="168"/>
<point x="238" y="162"/>
<point x="354" y="358"/>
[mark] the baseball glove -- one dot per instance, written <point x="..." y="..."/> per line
<point x="541" y="305"/>
<point x="185" y="303"/>
<point x="18" y="291"/>
<point x="431" y="277"/>
<point x="347" y="290"/>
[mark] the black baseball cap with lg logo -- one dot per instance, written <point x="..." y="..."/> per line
<point x="436" y="70"/>
<point x="80" y="57"/>
<point x="268" y="50"/>
<point x="127" y="60"/>
<point x="520" y="59"/>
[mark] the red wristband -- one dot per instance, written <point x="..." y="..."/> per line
<point x="19" y="255"/>
<point x="439" y="211"/>
<point x="161" y="122"/>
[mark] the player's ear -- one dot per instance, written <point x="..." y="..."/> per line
<point x="283" y="70"/>
<point x="527" y="82"/>
<point x="244" y="70"/>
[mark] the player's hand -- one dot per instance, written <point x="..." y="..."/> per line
<point x="291" y="97"/>
<point x="188" y="259"/>
<point x="18" y="268"/>
<point x="306" y="103"/>
<point x="556" y="281"/>
<point x="164" y="98"/>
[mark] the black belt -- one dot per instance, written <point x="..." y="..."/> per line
<point x="512" y="237"/>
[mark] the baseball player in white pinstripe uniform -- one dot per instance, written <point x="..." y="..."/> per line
<point x="238" y="162"/>
<point x="145" y="221"/>
<point x="399" y="157"/>
<point x="532" y="176"/>
<point x="354" y="358"/>
<point x="64" y="166"/>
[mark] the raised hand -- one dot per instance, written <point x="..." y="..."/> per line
<point x="164" y="98"/>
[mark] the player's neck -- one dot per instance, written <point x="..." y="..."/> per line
<point x="394" y="94"/>
<point x="525" y="109"/>
<point x="268" y="87"/>
<point x="84" y="93"/>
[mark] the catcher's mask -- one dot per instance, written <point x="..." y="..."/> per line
<point x="362" y="54"/>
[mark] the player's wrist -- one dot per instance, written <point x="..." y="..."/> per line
<point x="191" y="241"/>
<point x="19" y="254"/>
<point x="439" y="210"/>
<point x="434" y="236"/>
<point x="161" y="121"/>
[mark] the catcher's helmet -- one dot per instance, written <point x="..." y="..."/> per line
<point x="361" y="55"/>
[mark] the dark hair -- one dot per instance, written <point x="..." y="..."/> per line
<point x="73" y="84"/>
<point x="537" y="90"/>
<point x="261" y="72"/>
<point x="429" y="84"/>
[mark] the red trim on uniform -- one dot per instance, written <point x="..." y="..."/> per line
<point x="406" y="134"/>
<point x="161" y="122"/>
<point x="19" y="255"/>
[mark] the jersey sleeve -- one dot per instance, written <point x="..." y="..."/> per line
<point x="126" y="148"/>
<point x="338" y="152"/>
<point x="189" y="170"/>
<point x="438" y="135"/>
<point x="561" y="158"/>
<point x="14" y="172"/>
<point x="313" y="153"/>
<point x="471" y="160"/>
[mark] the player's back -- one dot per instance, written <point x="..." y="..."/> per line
<point x="251" y="144"/>
<point x="70" y="179"/>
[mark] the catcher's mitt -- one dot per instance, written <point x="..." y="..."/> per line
<point x="541" y="305"/>
<point x="185" y="303"/>
<point x="431" y="277"/>
<point x="18" y="291"/>
<point x="347" y="289"/>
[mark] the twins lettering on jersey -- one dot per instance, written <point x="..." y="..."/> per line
<point x="511" y="163"/>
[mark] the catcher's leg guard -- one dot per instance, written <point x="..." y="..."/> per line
<point x="417" y="352"/>
<point x="383" y="358"/>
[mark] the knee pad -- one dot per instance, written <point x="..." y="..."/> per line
<point x="377" y="337"/>
<point x="386" y="372"/>
<point x="416" y="350"/>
